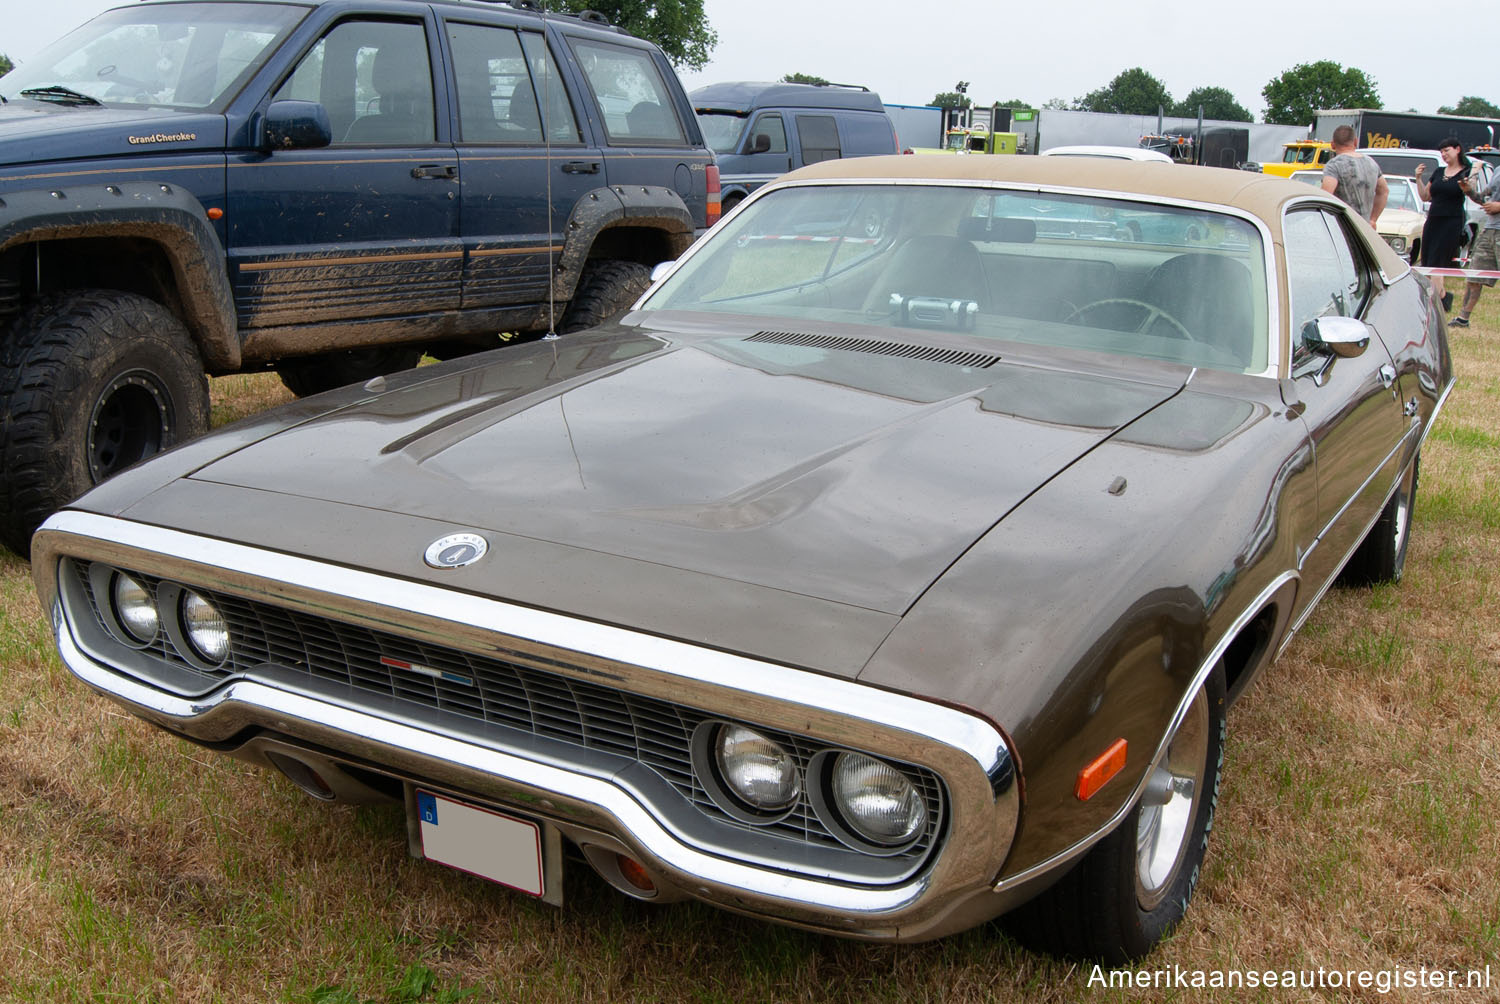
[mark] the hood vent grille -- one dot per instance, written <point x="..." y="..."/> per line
<point x="926" y="353"/>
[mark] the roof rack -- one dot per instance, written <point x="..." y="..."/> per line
<point x="536" y="7"/>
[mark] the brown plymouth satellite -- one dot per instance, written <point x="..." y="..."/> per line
<point x="889" y="567"/>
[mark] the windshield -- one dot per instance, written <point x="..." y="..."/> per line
<point x="1117" y="276"/>
<point x="1402" y="195"/>
<point x="1406" y="164"/>
<point x="722" y="130"/>
<point x="174" y="55"/>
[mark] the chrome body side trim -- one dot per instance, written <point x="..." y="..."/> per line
<point x="965" y="750"/>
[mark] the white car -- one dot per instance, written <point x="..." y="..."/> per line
<point x="1400" y="223"/>
<point x="1114" y="152"/>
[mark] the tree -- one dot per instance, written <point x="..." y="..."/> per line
<point x="956" y="98"/>
<point x="5" y="64"/>
<point x="1217" y="103"/>
<point x="803" y="78"/>
<point x="1478" y="107"/>
<point x="1132" y="92"/>
<point x="680" y="27"/>
<point x="1294" y="97"/>
<point x="1014" y="103"/>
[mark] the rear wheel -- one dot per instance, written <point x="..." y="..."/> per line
<point x="1132" y="888"/>
<point x="605" y="291"/>
<point x="306" y="375"/>
<point x="90" y="383"/>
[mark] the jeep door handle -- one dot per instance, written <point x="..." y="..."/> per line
<point x="446" y="172"/>
<point x="581" y="167"/>
<point x="1387" y="375"/>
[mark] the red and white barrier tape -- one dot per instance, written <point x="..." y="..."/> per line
<point x="1463" y="273"/>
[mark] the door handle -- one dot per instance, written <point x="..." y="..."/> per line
<point x="581" y="167"/>
<point x="1387" y="375"/>
<point x="445" y="172"/>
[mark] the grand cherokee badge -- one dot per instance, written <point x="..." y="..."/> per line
<point x="455" y="550"/>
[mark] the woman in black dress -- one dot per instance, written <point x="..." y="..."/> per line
<point x="1443" y="233"/>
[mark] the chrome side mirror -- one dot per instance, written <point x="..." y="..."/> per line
<point x="1344" y="337"/>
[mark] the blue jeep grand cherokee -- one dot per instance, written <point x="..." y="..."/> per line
<point x="328" y="189"/>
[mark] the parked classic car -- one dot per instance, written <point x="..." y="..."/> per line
<point x="1400" y="223"/>
<point x="889" y="567"/>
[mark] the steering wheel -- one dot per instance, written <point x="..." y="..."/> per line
<point x="1152" y="313"/>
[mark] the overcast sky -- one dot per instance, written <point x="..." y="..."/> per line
<point x="1040" y="50"/>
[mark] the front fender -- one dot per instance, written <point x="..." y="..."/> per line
<point x="167" y="215"/>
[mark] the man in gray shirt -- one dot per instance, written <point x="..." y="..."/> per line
<point x="1485" y="254"/>
<point x="1353" y="177"/>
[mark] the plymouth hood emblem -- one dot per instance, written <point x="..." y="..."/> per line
<point x="455" y="550"/>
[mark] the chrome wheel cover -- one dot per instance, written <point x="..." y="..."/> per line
<point x="1170" y="805"/>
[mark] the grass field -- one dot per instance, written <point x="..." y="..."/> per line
<point x="1356" y="829"/>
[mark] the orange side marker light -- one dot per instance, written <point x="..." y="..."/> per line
<point x="215" y="213"/>
<point x="1104" y="767"/>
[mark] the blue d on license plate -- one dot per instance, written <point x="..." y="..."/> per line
<point x="481" y="842"/>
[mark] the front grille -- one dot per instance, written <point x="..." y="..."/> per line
<point x="502" y="692"/>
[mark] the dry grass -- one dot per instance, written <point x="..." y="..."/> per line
<point x="1356" y="829"/>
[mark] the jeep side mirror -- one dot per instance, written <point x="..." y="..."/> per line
<point x="761" y="143"/>
<point x="296" y="125"/>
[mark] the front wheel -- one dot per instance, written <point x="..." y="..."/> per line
<point x="90" y="383"/>
<point x="1132" y="888"/>
<point x="1381" y="556"/>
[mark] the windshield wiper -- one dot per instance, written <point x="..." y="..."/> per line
<point x="60" y="94"/>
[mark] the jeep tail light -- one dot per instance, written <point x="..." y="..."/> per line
<point x="711" y="179"/>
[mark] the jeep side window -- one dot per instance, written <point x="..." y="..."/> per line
<point x="633" y="99"/>
<point x="375" y="81"/>
<point x="820" y="138"/>
<point x="770" y="126"/>
<point x="562" y="125"/>
<point x="497" y="93"/>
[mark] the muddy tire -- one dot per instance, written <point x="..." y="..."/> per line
<point x="90" y="383"/>
<point x="606" y="290"/>
<point x="1132" y="888"/>
<point x="314" y="374"/>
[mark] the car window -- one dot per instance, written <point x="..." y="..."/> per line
<point x="819" y="135"/>
<point x="374" y="79"/>
<point x="633" y="98"/>
<point x="773" y="128"/>
<point x="1327" y="277"/>
<point x="722" y="129"/>
<point x="174" y="55"/>
<point x="502" y="93"/>
<point x="1112" y="275"/>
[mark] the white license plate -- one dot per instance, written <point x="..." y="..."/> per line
<point x="481" y="842"/>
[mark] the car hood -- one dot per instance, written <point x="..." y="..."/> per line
<point x="42" y="131"/>
<point x="838" y="473"/>
<point x="1399" y="221"/>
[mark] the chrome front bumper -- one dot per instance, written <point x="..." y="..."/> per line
<point x="953" y="890"/>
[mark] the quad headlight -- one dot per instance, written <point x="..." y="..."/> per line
<point x="134" y="608"/>
<point x="756" y="770"/>
<point x="875" y="800"/>
<point x="204" y="628"/>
